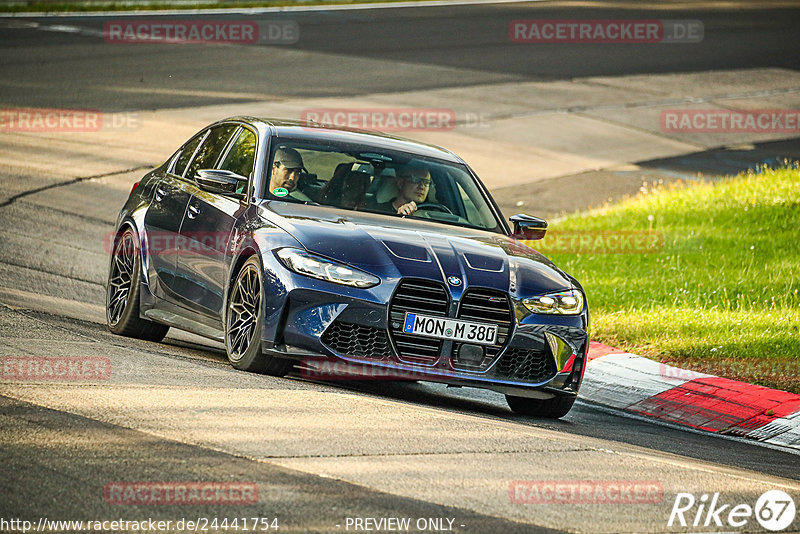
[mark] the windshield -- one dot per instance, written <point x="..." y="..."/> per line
<point x="363" y="178"/>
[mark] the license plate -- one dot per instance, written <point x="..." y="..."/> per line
<point x="452" y="329"/>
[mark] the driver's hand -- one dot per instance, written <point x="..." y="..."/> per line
<point x="407" y="209"/>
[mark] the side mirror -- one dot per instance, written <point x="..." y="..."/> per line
<point x="220" y="182"/>
<point x="527" y="227"/>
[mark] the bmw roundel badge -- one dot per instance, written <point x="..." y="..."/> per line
<point x="454" y="281"/>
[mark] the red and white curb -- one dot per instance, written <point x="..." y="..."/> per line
<point x="705" y="402"/>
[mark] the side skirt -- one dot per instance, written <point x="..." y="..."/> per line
<point x="182" y="323"/>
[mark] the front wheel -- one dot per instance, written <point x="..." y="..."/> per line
<point x="244" y="323"/>
<point x="552" y="408"/>
<point x="122" y="293"/>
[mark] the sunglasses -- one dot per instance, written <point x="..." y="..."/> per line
<point x="417" y="180"/>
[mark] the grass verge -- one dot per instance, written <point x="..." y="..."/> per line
<point x="710" y="278"/>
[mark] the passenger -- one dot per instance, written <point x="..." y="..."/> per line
<point x="286" y="169"/>
<point x="346" y="189"/>
<point x="413" y="185"/>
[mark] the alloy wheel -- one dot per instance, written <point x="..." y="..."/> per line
<point x="243" y="311"/>
<point x="121" y="280"/>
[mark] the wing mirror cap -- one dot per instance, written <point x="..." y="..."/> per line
<point x="528" y="227"/>
<point x="220" y="182"/>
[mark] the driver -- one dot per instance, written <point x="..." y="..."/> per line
<point x="413" y="185"/>
<point x="285" y="174"/>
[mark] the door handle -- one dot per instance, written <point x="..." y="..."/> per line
<point x="193" y="211"/>
<point x="160" y="192"/>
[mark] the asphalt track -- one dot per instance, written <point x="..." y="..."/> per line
<point x="342" y="53"/>
<point x="319" y="453"/>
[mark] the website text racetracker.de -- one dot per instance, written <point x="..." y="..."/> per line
<point x="180" y="493"/>
<point x="198" y="524"/>
<point x="201" y="31"/>
<point x="66" y="368"/>
<point x="383" y="119"/>
<point x="41" y="120"/>
<point x="730" y="121"/>
<point x="605" y="31"/>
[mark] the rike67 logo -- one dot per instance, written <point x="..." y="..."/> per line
<point x="774" y="511"/>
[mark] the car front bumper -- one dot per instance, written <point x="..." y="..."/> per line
<point x="340" y="336"/>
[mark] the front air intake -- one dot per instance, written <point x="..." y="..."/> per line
<point x="422" y="297"/>
<point x="484" y="306"/>
<point x="359" y="341"/>
<point x="524" y="365"/>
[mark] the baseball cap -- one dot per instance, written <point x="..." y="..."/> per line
<point x="289" y="157"/>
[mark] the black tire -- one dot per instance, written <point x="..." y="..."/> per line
<point x="122" y="292"/>
<point x="551" y="408"/>
<point x="244" y="323"/>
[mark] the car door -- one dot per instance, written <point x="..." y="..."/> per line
<point x="209" y="221"/>
<point x="163" y="219"/>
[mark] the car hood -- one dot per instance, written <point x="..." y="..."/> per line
<point x="394" y="248"/>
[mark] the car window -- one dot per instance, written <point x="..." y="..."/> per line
<point x="186" y="153"/>
<point x="469" y="205"/>
<point x="209" y="152"/>
<point x="368" y="178"/>
<point x="241" y="156"/>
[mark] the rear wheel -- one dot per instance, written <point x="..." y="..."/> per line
<point x="122" y="292"/>
<point x="552" y="408"/>
<point x="244" y="323"/>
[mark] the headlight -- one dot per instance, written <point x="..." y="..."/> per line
<point x="561" y="303"/>
<point x="308" y="264"/>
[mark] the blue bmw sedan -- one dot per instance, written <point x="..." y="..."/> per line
<point x="296" y="244"/>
